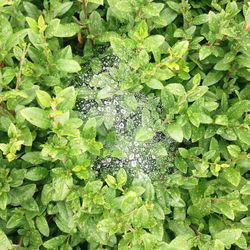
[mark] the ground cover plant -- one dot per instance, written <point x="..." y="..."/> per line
<point x="92" y="92"/>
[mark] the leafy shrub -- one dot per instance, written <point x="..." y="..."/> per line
<point x="193" y="56"/>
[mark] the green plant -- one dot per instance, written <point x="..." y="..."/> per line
<point x="192" y="56"/>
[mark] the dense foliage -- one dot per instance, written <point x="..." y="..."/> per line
<point x="194" y="56"/>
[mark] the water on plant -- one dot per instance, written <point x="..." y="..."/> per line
<point x="122" y="121"/>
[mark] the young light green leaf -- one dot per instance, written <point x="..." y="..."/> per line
<point x="111" y="181"/>
<point x="43" y="98"/>
<point x="141" y="30"/>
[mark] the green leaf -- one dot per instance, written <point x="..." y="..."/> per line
<point x="36" y="117"/>
<point x="89" y="129"/>
<point x="62" y="8"/>
<point x="152" y="9"/>
<point x="105" y="93"/>
<point x="32" y="24"/>
<point x="204" y="52"/>
<point x="66" y="99"/>
<point x="121" y="177"/>
<point x="33" y="157"/>
<point x="144" y="134"/>
<point x="238" y="109"/>
<point x="22" y="193"/>
<point x="154" y="84"/>
<point x="62" y="186"/>
<point x="106" y="225"/>
<point x="184" y="242"/>
<point x="66" y="30"/>
<point x="175" y="132"/>
<point x="111" y="181"/>
<point x="153" y="42"/>
<point x="55" y="242"/>
<point x="244" y="135"/>
<point x="221" y="120"/>
<point x="158" y="212"/>
<point x="176" y="89"/>
<point x="200" y="19"/>
<point x="228" y="236"/>
<point x="36" y="173"/>
<point x="167" y="100"/>
<point x="131" y="102"/>
<point x="141" y="31"/>
<point x="167" y="16"/>
<point x="180" y="48"/>
<point x="174" y="6"/>
<point x="200" y="209"/>
<point x="245" y="190"/>
<point x="31" y="10"/>
<point x="212" y="78"/>
<point x="96" y="1"/>
<point x="68" y="65"/>
<point x="141" y="217"/>
<point x="4" y="241"/>
<point x="42" y="225"/>
<point x="224" y="208"/>
<point x="43" y="98"/>
<point x="234" y="150"/>
<point x="3" y="201"/>
<point x="96" y="24"/>
<point x="197" y="93"/>
<point x="181" y="164"/>
<point x="15" y="38"/>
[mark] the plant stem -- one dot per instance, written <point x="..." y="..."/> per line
<point x="19" y="74"/>
<point x="85" y="13"/>
<point x="99" y="246"/>
<point x="20" y="243"/>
